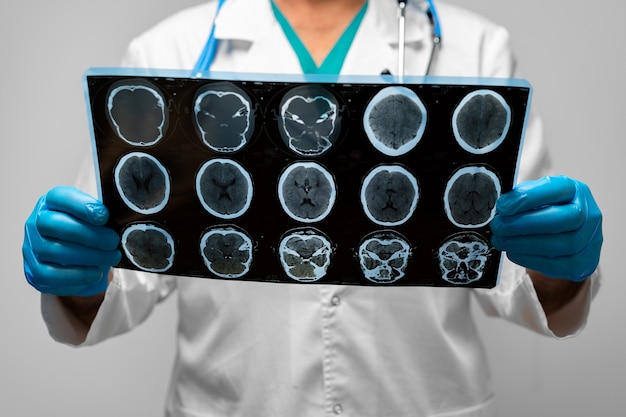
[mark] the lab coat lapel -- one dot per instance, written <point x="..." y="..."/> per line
<point x="371" y="51"/>
<point x="253" y="21"/>
<point x="375" y="46"/>
<point x="369" y="55"/>
<point x="272" y="53"/>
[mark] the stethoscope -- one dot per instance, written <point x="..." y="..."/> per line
<point x="208" y="52"/>
<point x="435" y="26"/>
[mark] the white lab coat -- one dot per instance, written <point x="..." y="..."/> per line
<point x="259" y="349"/>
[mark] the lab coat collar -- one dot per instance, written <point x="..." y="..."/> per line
<point x="243" y="20"/>
<point x="380" y="21"/>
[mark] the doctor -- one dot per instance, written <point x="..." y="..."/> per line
<point x="258" y="349"/>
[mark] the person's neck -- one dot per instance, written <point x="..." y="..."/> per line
<point x="319" y="23"/>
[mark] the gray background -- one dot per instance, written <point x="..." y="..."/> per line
<point x="571" y="51"/>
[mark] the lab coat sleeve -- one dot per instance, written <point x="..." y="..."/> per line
<point x="129" y="300"/>
<point x="514" y="298"/>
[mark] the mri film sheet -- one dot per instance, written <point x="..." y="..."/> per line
<point x="352" y="180"/>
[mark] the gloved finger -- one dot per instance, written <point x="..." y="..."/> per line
<point x="50" y="275"/>
<point x="78" y="204"/>
<point x="64" y="227"/>
<point x="534" y="194"/>
<point x="563" y="244"/>
<point x="61" y="280"/>
<point x="55" y="250"/>
<point x="578" y="267"/>
<point x="547" y="220"/>
<point x="77" y="290"/>
<point x="69" y="254"/>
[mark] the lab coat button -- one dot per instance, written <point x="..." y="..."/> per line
<point x="336" y="300"/>
<point x="337" y="409"/>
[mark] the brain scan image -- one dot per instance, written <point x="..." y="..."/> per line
<point x="470" y="196"/>
<point x="306" y="191"/>
<point x="389" y="195"/>
<point x="227" y="251"/>
<point x="481" y="121"/>
<point x="148" y="247"/>
<point x="142" y="182"/>
<point x="305" y="254"/>
<point x="395" y="120"/>
<point x="309" y="120"/>
<point x="463" y="258"/>
<point x="137" y="113"/>
<point x="224" y="116"/>
<point x="224" y="188"/>
<point x="384" y="257"/>
<point x="350" y="180"/>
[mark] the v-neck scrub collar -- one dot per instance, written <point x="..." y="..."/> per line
<point x="334" y="60"/>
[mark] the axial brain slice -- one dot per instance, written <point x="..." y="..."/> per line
<point x="224" y="188"/>
<point x="463" y="258"/>
<point x="395" y="120"/>
<point x="305" y="255"/>
<point x="224" y="117"/>
<point x="137" y="113"/>
<point x="471" y="195"/>
<point x="481" y="121"/>
<point x="226" y="252"/>
<point x="142" y="182"/>
<point x="306" y="191"/>
<point x="148" y="247"/>
<point x="384" y="257"/>
<point x="309" y="120"/>
<point x="389" y="195"/>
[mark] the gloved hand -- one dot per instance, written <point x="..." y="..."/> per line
<point x="551" y="225"/>
<point x="67" y="249"/>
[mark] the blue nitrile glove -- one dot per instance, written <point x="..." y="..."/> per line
<point x="551" y="225"/>
<point x="67" y="249"/>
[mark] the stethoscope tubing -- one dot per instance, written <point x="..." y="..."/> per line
<point x="208" y="52"/>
